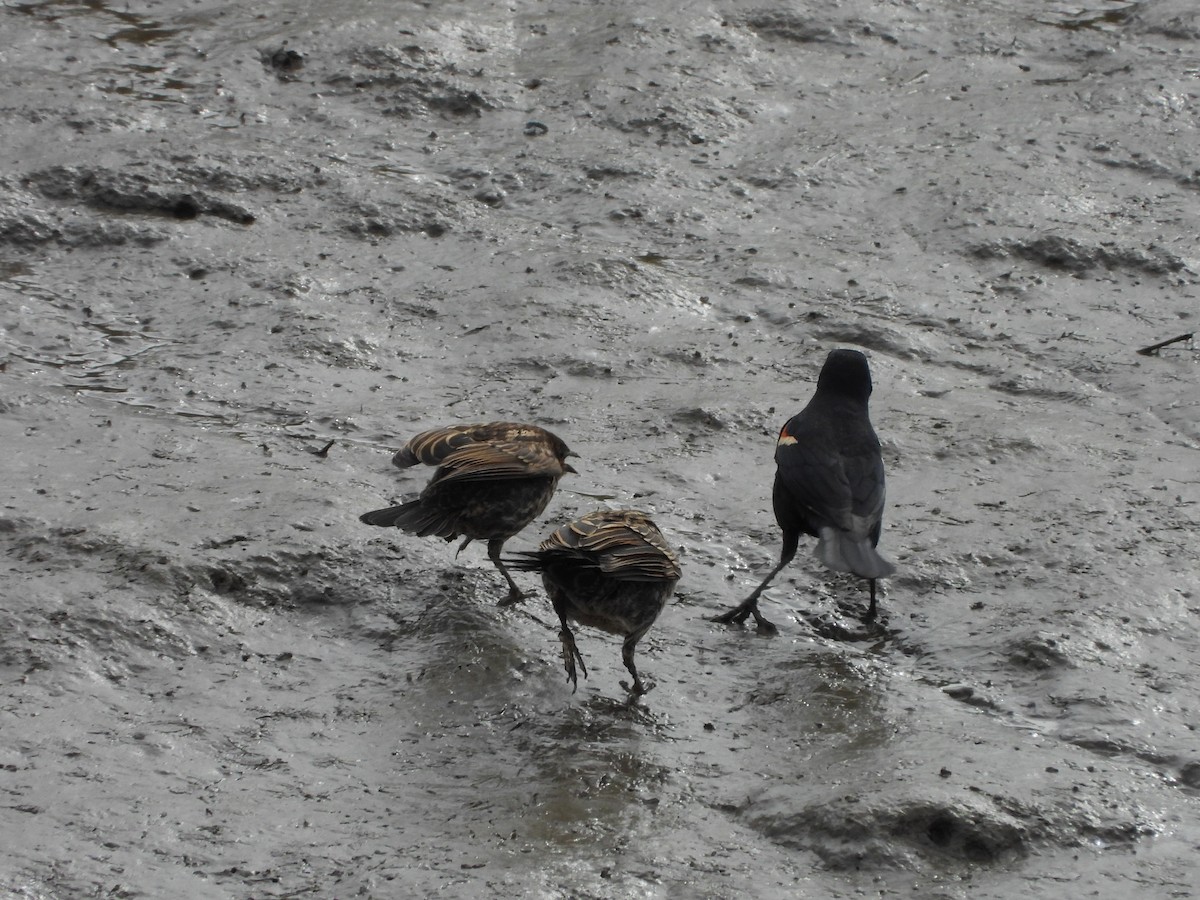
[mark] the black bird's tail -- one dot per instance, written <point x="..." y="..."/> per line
<point x="845" y="552"/>
<point x="414" y="518"/>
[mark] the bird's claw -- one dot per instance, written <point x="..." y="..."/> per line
<point x="514" y="596"/>
<point x="571" y="655"/>
<point x="637" y="689"/>
<point x="739" y="614"/>
<point x="735" y="616"/>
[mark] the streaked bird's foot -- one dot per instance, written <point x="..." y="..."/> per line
<point x="571" y="655"/>
<point x="638" y="688"/>
<point x="514" y="596"/>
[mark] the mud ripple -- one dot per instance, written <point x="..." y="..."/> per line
<point x="855" y="832"/>
<point x="159" y="194"/>
<point x="411" y="82"/>
<point x="1072" y="255"/>
<point x="858" y="831"/>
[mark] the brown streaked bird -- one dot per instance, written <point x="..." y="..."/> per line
<point x="829" y="482"/>
<point x="610" y="569"/>
<point x="492" y="480"/>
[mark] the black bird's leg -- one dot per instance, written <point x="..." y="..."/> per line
<point x="515" y="594"/>
<point x="749" y="606"/>
<point x="870" y="616"/>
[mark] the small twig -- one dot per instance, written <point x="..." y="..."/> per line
<point x="1154" y="348"/>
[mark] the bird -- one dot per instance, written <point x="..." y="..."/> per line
<point x="610" y="569"/>
<point x="491" y="481"/>
<point x="829" y="482"/>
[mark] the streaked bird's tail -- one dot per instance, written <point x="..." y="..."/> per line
<point x="414" y="518"/>
<point x="541" y="560"/>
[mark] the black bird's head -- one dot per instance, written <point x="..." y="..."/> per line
<point x="845" y="374"/>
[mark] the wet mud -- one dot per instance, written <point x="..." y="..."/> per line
<point x="246" y="253"/>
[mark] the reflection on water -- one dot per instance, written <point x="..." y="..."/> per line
<point x="592" y="767"/>
<point x="830" y="702"/>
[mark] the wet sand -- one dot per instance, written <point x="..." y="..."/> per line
<point x="231" y="236"/>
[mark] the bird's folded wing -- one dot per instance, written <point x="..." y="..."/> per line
<point x="631" y="548"/>
<point x="432" y="447"/>
<point x="865" y="476"/>
<point x="624" y="544"/>
<point x="817" y="480"/>
<point x="639" y="562"/>
<point x="503" y="459"/>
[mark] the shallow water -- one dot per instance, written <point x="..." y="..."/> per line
<point x="642" y="227"/>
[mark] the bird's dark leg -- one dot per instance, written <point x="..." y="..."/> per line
<point x="462" y="547"/>
<point x="749" y="606"/>
<point x="570" y="652"/>
<point x="870" y="616"/>
<point x="515" y="594"/>
<point x="638" y="688"/>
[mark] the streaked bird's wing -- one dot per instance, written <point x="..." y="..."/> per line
<point x="436" y="446"/>
<point x="624" y="544"/>
<point x="431" y="447"/>
<point x="502" y="459"/>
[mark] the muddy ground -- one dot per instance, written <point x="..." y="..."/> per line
<point x="232" y="234"/>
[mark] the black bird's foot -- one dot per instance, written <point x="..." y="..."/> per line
<point x="739" y="614"/>
<point x="735" y="616"/>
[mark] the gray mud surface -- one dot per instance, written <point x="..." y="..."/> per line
<point x="233" y="233"/>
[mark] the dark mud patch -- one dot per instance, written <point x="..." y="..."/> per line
<point x="1041" y="652"/>
<point x="280" y="580"/>
<point x="25" y="223"/>
<point x="133" y="193"/>
<point x="412" y="82"/>
<point x="1073" y="255"/>
<point x="411" y="216"/>
<point x="848" y="624"/>
<point x="794" y="27"/>
<point x="855" y="831"/>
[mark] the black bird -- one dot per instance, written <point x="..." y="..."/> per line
<point x="611" y="569"/>
<point x="492" y="480"/>
<point x="829" y="481"/>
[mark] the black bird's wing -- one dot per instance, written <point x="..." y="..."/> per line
<point x="834" y="477"/>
